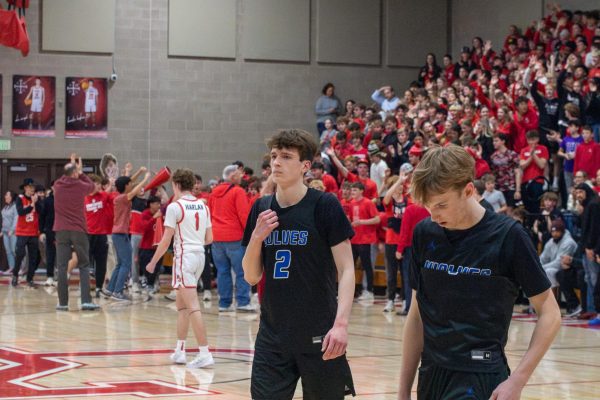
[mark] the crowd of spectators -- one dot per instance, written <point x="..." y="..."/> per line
<point x="527" y="110"/>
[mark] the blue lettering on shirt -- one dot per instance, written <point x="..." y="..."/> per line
<point x="287" y="238"/>
<point x="455" y="270"/>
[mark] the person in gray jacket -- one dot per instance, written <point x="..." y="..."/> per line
<point x="561" y="244"/>
<point x="328" y="107"/>
<point x="9" y="225"/>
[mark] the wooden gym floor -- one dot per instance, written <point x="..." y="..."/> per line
<point x="122" y="351"/>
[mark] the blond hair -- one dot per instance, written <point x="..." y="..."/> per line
<point x="317" y="184"/>
<point x="442" y="169"/>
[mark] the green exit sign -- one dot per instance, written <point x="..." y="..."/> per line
<point x="4" y="144"/>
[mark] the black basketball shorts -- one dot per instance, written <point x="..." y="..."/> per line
<point x="437" y="383"/>
<point x="275" y="375"/>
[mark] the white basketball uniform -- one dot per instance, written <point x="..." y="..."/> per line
<point x="37" y="94"/>
<point x="91" y="95"/>
<point x="190" y="218"/>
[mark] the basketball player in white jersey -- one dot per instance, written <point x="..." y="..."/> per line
<point x="91" y="102"/>
<point x="188" y="220"/>
<point x="37" y="95"/>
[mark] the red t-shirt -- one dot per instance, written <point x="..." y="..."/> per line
<point x="533" y="170"/>
<point x="97" y="211"/>
<point x="370" y="186"/>
<point x="135" y="220"/>
<point x="362" y="154"/>
<point x="344" y="151"/>
<point x="122" y="214"/>
<point x="331" y="185"/>
<point x="396" y="210"/>
<point x="110" y="212"/>
<point x="364" y="209"/>
<point x="346" y="206"/>
<point x="148" y="225"/>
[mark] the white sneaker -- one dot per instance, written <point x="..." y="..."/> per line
<point x="206" y="295"/>
<point x="226" y="309"/>
<point x="136" y="288"/>
<point x="202" y="361"/>
<point x="172" y="295"/>
<point x="247" y="308"/>
<point x="178" y="357"/>
<point x="390" y="306"/>
<point x="366" y="295"/>
<point x="50" y="282"/>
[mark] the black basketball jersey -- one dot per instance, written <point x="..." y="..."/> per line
<point x="467" y="282"/>
<point x="299" y="303"/>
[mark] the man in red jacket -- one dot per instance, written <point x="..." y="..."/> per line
<point x="229" y="208"/>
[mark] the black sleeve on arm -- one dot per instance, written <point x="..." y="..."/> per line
<point x="524" y="262"/>
<point x="251" y="222"/>
<point x="331" y="220"/>
<point x="20" y="209"/>
<point x="536" y="95"/>
<point x="594" y="236"/>
<point x="559" y="84"/>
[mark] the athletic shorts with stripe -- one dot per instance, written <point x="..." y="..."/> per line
<point x="187" y="269"/>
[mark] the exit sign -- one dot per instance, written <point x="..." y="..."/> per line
<point x="4" y="144"/>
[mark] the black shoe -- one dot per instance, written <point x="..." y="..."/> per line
<point x="15" y="281"/>
<point x="32" y="285"/>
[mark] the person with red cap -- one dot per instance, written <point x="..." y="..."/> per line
<point x="362" y="175"/>
<point x="414" y="155"/>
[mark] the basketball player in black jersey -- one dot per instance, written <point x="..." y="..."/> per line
<point x="467" y="266"/>
<point x="299" y="239"/>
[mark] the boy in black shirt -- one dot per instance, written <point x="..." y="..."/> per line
<point x="466" y="268"/>
<point x="299" y="238"/>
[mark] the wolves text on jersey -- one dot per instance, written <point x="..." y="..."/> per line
<point x="456" y="270"/>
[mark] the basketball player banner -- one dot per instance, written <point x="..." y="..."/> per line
<point x="87" y="108"/>
<point x="33" y="106"/>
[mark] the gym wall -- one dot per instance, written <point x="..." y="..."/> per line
<point x="202" y="83"/>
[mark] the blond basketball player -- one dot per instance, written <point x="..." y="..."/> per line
<point x="37" y="96"/>
<point x="91" y="103"/>
<point x="188" y="221"/>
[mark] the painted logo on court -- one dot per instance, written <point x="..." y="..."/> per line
<point x="22" y="375"/>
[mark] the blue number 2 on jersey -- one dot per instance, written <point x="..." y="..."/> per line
<point x="283" y="259"/>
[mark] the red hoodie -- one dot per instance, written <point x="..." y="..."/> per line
<point x="229" y="209"/>
<point x="587" y="158"/>
<point x="529" y="122"/>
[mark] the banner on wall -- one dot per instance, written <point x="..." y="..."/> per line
<point x="86" y="108"/>
<point x="33" y="106"/>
